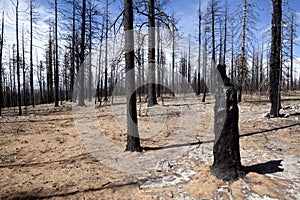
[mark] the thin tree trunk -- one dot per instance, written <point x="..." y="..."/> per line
<point x="1" y="52"/>
<point x="232" y="52"/>
<point x="261" y="65"/>
<point x="158" y="61"/>
<point x="213" y="38"/>
<point x="106" y="53"/>
<point x="18" y="59"/>
<point x="199" y="48"/>
<point x="51" y="94"/>
<point x="292" y="53"/>
<point x="242" y="72"/>
<point x="275" y="58"/>
<point x="23" y="69"/>
<point x="31" y="57"/>
<point x="133" y="140"/>
<point x="151" y="55"/>
<point x="72" y="69"/>
<point x="173" y="58"/>
<point x="82" y="56"/>
<point x="225" y="32"/>
<point x="56" y="68"/>
<point x="90" y="78"/>
<point x="204" y="66"/>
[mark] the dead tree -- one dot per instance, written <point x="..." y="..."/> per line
<point x="275" y="58"/>
<point x="151" y="55"/>
<point x="226" y="150"/>
<point x="82" y="56"/>
<point x="133" y="140"/>
<point x="1" y="51"/>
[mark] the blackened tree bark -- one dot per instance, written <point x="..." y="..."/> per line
<point x="275" y="58"/>
<point x="24" y="70"/>
<point x="227" y="161"/>
<point x="151" y="55"/>
<point x="199" y="48"/>
<point x="82" y="56"/>
<point x="50" y="70"/>
<point x="292" y="33"/>
<point x="56" y="68"/>
<point x="242" y="72"/>
<point x="31" y="57"/>
<point x="90" y="52"/>
<point x="173" y="56"/>
<point x="1" y="52"/>
<point x="106" y="54"/>
<point x="18" y="58"/>
<point x="72" y="68"/>
<point x="133" y="140"/>
<point x="204" y="54"/>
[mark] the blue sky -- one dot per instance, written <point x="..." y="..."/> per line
<point x="185" y="10"/>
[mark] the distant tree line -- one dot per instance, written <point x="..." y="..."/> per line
<point x="83" y="56"/>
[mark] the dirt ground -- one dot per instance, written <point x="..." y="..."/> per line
<point x="78" y="153"/>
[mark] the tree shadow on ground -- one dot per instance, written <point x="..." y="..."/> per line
<point x="33" y="196"/>
<point x="211" y="141"/>
<point x="33" y="164"/>
<point x="269" y="167"/>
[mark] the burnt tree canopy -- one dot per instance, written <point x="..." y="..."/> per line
<point x="227" y="161"/>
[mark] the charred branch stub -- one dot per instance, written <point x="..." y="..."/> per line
<point x="227" y="161"/>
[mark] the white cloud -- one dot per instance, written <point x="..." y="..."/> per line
<point x="40" y="27"/>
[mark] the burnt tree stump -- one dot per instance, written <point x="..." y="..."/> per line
<point x="226" y="151"/>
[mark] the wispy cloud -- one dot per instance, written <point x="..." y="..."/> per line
<point x="40" y="26"/>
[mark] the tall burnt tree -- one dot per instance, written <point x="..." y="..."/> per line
<point x="199" y="48"/>
<point x="1" y="52"/>
<point x="31" y="7"/>
<point x="50" y="68"/>
<point x="82" y="56"/>
<point x="24" y="70"/>
<point x="73" y="56"/>
<point x="275" y="58"/>
<point x="56" y="68"/>
<point x="133" y="140"/>
<point x="151" y="55"/>
<point x="18" y="58"/>
<point x="226" y="150"/>
<point x="106" y="52"/>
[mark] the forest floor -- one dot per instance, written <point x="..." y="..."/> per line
<point x="75" y="152"/>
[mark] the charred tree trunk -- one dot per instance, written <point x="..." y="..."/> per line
<point x="56" y="68"/>
<point x="72" y="69"/>
<point x="151" y="55"/>
<point x="173" y="60"/>
<point x="242" y="72"/>
<point x="18" y="58"/>
<point x="199" y="49"/>
<point x="204" y="66"/>
<point x="158" y="89"/>
<point x="25" y="94"/>
<point x="82" y="56"/>
<point x="292" y="52"/>
<point x="90" y="78"/>
<point x="1" y="52"/>
<point x="106" y="54"/>
<point x="133" y="140"/>
<point x="275" y="58"/>
<point x="226" y="150"/>
<point x="31" y="57"/>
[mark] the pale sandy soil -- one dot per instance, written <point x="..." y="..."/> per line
<point x="78" y="153"/>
